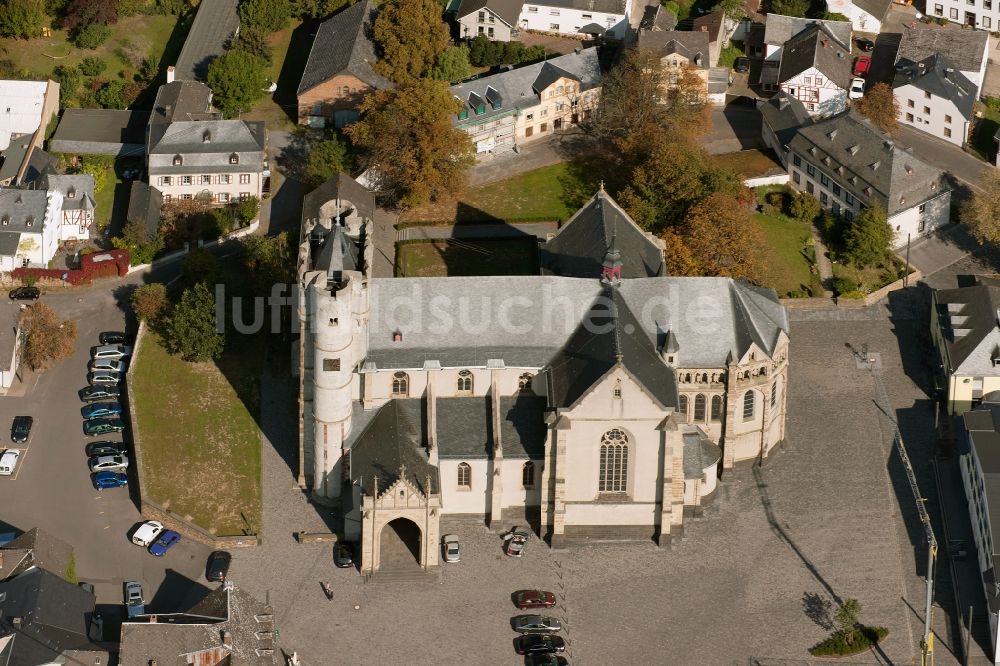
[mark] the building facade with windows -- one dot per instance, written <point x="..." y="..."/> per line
<point x="30" y="224"/>
<point x="981" y="14"/>
<point x="966" y="50"/>
<point x="815" y="68"/>
<point x="679" y="51"/>
<point x="78" y="204"/>
<point x="935" y="97"/>
<point x="847" y="164"/>
<point x="586" y="399"/>
<point x="502" y="20"/>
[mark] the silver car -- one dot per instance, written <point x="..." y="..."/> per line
<point x="451" y="550"/>
<point x="133" y="599"/>
<point x="536" y="624"/>
<point x="108" y="463"/>
<point x="115" y="352"/>
<point x="109" y="364"/>
<point x="103" y="377"/>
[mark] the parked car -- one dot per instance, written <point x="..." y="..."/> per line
<point x="865" y="45"/>
<point x="99" y="392"/>
<point x="8" y="461"/>
<point x="96" y="427"/>
<point x="545" y="660"/>
<point x="103" y="377"/>
<point x="146" y="533"/>
<point x="113" y="338"/>
<point x="104" y="480"/>
<point x="539" y="644"/>
<point x="218" y="566"/>
<point x="343" y="555"/>
<point x="96" y="410"/>
<point x="525" y="599"/>
<point x="108" y="463"/>
<point x="25" y="294"/>
<point x="167" y="539"/>
<point x="105" y="448"/>
<point x="20" y="430"/>
<point x="516" y="543"/>
<point x="133" y="599"/>
<point x="115" y="352"/>
<point x="451" y="549"/>
<point x="861" y="66"/>
<point x="536" y="624"/>
<point x="106" y="364"/>
<point x="742" y="65"/>
<point x="857" y="88"/>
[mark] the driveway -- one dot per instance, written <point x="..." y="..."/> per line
<point x="734" y="127"/>
<point x="943" y="155"/>
<point x="938" y="251"/>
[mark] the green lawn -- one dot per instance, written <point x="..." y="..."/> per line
<point x="198" y="430"/>
<point x="550" y="193"/>
<point x="728" y="55"/>
<point x="438" y="258"/>
<point x="982" y="134"/>
<point x="750" y="163"/>
<point x="785" y="262"/>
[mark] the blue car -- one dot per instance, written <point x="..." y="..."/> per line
<point x="101" y="409"/>
<point x="167" y="539"/>
<point x="104" y="480"/>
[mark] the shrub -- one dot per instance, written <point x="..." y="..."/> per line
<point x="92" y="36"/>
<point x="150" y="301"/>
<point x="92" y="66"/>
<point x="778" y="199"/>
<point x="843" y="285"/>
<point x="852" y="295"/>
<point x="246" y="210"/>
<point x="804" y="207"/>
<point x="992" y="103"/>
<point x="843" y="643"/>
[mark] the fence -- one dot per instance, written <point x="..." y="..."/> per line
<point x="760" y="181"/>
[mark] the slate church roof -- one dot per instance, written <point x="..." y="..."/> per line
<point x="394" y="438"/>
<point x="343" y="45"/>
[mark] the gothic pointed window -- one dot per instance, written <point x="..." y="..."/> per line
<point x="748" y="406"/>
<point x="682" y="406"/>
<point x="613" y="475"/>
<point x="464" y="381"/>
<point x="400" y="384"/>
<point x="716" y="407"/>
<point x="699" y="407"/>
<point x="528" y="474"/>
<point x="464" y="476"/>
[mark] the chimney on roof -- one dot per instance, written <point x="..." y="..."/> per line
<point x="171" y="72"/>
<point x="227" y="639"/>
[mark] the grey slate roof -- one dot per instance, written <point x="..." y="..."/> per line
<point x="343" y="44"/>
<point x="867" y="163"/>
<point x="779" y="29"/>
<point x="699" y="452"/>
<point x="8" y="318"/>
<point x="464" y="427"/>
<point x="876" y="8"/>
<point x="657" y="17"/>
<point x="101" y="132"/>
<point x="968" y="318"/>
<point x="966" y="49"/>
<point x="578" y="249"/>
<point x="816" y="47"/>
<point x="507" y="10"/>
<point x="46" y="551"/>
<point x="522" y="426"/>
<point x="12" y="158"/>
<point x="214" y="25"/>
<point x="516" y="87"/>
<point x="183" y="100"/>
<point x="9" y="241"/>
<point x="225" y="137"/>
<point x="605" y="6"/>
<point x="145" y="205"/>
<point x="337" y="253"/>
<point x="77" y="190"/>
<point x="393" y="438"/>
<point x="17" y="206"/>
<point x="981" y="436"/>
<point x="691" y="45"/>
<point x="40" y="163"/>
<point x="784" y="114"/>
<point x="350" y="191"/>
<point x="936" y="75"/>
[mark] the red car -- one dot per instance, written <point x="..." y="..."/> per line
<point x="862" y="65"/>
<point x="525" y="599"/>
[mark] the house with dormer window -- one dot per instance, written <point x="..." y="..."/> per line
<point x="503" y="20"/>
<point x="935" y="97"/>
<point x="679" y="50"/>
<point x="30" y="222"/>
<point x="522" y="105"/>
<point x="815" y="68"/>
<point x="78" y="204"/>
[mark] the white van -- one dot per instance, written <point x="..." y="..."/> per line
<point x="147" y="533"/>
<point x="8" y="461"/>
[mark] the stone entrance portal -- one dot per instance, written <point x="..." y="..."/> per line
<point x="399" y="545"/>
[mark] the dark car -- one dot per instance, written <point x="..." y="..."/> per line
<point x="742" y="65"/>
<point x="545" y="660"/>
<point x="536" y="624"/>
<point x="105" y="448"/>
<point x="21" y="429"/>
<point x="162" y="544"/>
<point x="96" y="410"/>
<point x="218" y="566"/>
<point x="539" y="644"/>
<point x="104" y="480"/>
<point x="865" y="45"/>
<point x="343" y="555"/>
<point x="25" y="294"/>
<point x="534" y="599"/>
<point x="113" y="338"/>
<point x="96" y="427"/>
<point x="99" y="392"/>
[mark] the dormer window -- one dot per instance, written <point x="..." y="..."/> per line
<point x="29" y="221"/>
<point x="875" y="165"/>
<point x="853" y="150"/>
<point x="831" y="135"/>
<point x="71" y="193"/>
<point x="206" y="137"/>
<point x="234" y="159"/>
<point x="5" y="220"/>
<point x="178" y="160"/>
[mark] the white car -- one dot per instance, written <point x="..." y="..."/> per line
<point x="115" y="352"/>
<point x="108" y="463"/>
<point x="147" y="533"/>
<point x="8" y="461"/>
<point x="451" y="550"/>
<point x="857" y="88"/>
<point x="106" y="365"/>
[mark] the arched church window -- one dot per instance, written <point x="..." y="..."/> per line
<point x="464" y="381"/>
<point x="699" y="407"/>
<point x="524" y="383"/>
<point x="748" y="406"/>
<point x="716" y="407"/>
<point x="464" y="476"/>
<point x="613" y="477"/>
<point x="528" y="474"/>
<point x="400" y="384"/>
<point x="682" y="406"/>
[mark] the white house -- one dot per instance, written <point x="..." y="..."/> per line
<point x="847" y="165"/>
<point x="966" y="50"/>
<point x="30" y="222"/>
<point x="935" y="97"/>
<point x="78" y="204"/>
<point x="502" y="20"/>
<point x="781" y="30"/>
<point x="980" y="14"/>
<point x="865" y="15"/>
<point x="815" y="68"/>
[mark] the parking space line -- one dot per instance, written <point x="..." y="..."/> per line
<point x="20" y="462"/>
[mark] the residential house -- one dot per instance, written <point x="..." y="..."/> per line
<point x="495" y="19"/>
<point x="982" y="15"/>
<point x="502" y="20"/>
<point x="339" y="72"/>
<point x="716" y="25"/>
<point x="101" y="132"/>
<point x="30" y="223"/>
<point x="966" y="50"/>
<point x="657" y="17"/>
<point x="78" y="203"/>
<point x="216" y="24"/>
<point x="866" y="15"/>
<point x="769" y="41"/>
<point x="935" y="97"/>
<point x="24" y="163"/>
<point x="528" y="103"/>
<point x="965" y="328"/>
<point x="46" y="620"/>
<point x="679" y="51"/>
<point x="847" y="164"/>
<point x="781" y="118"/>
<point x="979" y="460"/>
<point x="26" y="108"/>
<point x="35" y="548"/>
<point x="815" y="68"/>
<point x="228" y="626"/>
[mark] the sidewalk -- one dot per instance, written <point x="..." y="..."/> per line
<point x="823" y="263"/>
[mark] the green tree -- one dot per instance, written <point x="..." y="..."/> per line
<point x="412" y="36"/>
<point x="133" y="238"/>
<point x="797" y="8"/>
<point x="192" y="330"/>
<point x="452" y="65"/>
<point x="246" y="210"/>
<point x="267" y="15"/>
<point x="846" y="618"/>
<point x="92" y="66"/>
<point x="200" y="265"/>
<point x="269" y="259"/>
<point x="149" y="68"/>
<point x="869" y="237"/>
<point x="97" y="166"/>
<point x="733" y="9"/>
<point x="69" y="79"/>
<point x="150" y="301"/>
<point x="415" y="152"/>
<point x="46" y="339"/>
<point x="721" y="237"/>
<point x="981" y="213"/>
<point x="804" y="207"/>
<point x="879" y="105"/>
<point x="238" y="79"/>
<point x="92" y="35"/>
<point x="112" y="95"/>
<point x="306" y="9"/>
<point x="255" y="40"/>
<point x="325" y="159"/>
<point x="22" y="19"/>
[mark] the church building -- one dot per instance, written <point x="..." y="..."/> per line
<point x="597" y="400"/>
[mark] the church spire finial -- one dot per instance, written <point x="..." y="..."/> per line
<point x="601" y="186"/>
<point x="611" y="269"/>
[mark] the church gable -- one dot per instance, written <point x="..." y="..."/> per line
<point x="617" y="396"/>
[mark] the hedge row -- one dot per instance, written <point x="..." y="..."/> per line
<point x="113" y="263"/>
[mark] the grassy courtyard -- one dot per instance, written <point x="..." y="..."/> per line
<point x="786" y="266"/>
<point x="198" y="432"/>
<point x="453" y="257"/>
